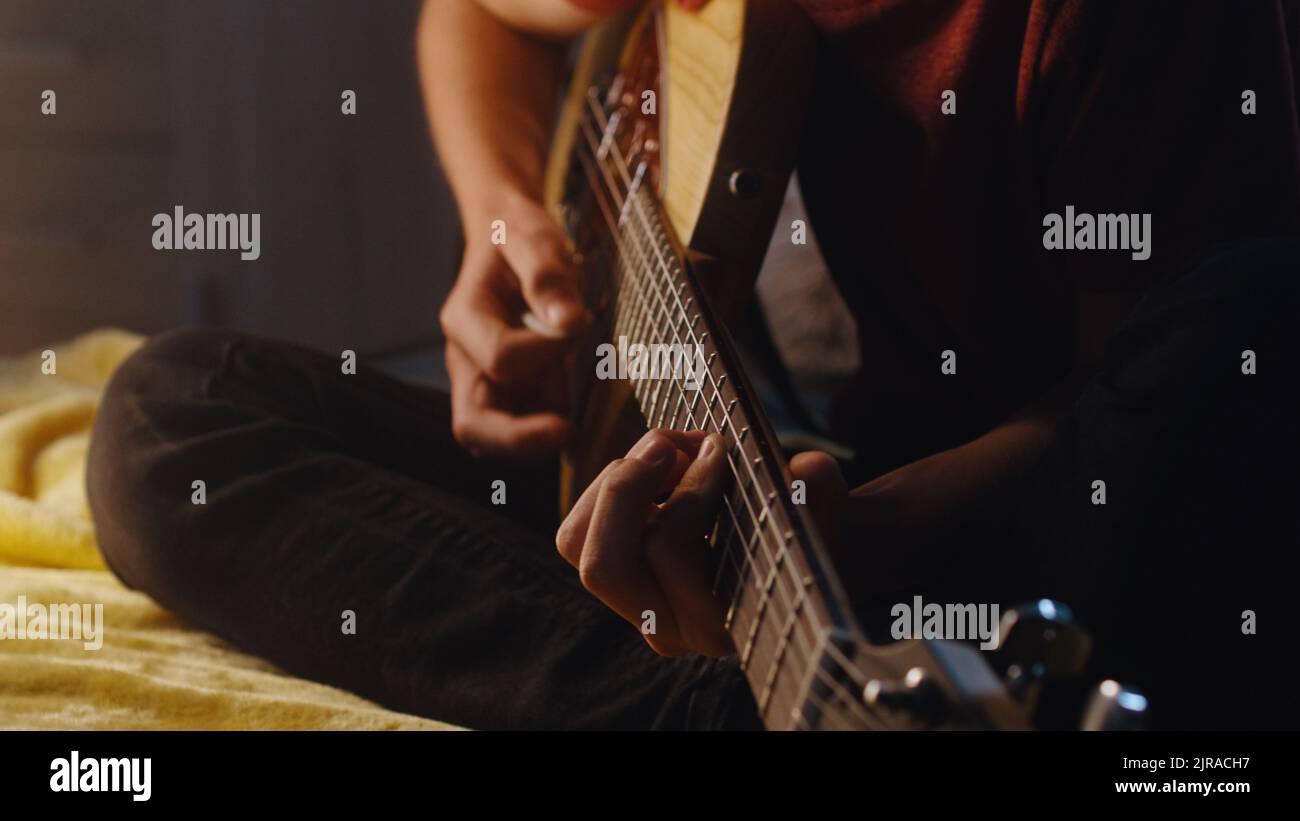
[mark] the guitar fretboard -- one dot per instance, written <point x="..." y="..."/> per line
<point x="783" y="609"/>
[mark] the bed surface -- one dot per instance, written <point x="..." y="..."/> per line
<point x="152" y="671"/>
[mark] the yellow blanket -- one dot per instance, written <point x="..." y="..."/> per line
<point x="151" y="671"/>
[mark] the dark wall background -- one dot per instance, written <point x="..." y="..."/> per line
<point x="230" y="106"/>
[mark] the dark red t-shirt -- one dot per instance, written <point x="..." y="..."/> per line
<point x="932" y="223"/>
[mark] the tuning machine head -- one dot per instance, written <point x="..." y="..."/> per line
<point x="1115" y="707"/>
<point x="1040" y="641"/>
<point x="916" y="695"/>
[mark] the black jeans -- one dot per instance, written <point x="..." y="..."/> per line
<point x="328" y="493"/>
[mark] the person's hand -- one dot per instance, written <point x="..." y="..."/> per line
<point x="641" y="557"/>
<point x="509" y="382"/>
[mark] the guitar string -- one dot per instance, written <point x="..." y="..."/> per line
<point x="774" y="576"/>
<point x="828" y="709"/>
<point x="792" y="622"/>
<point x="624" y="259"/>
<point x="792" y="619"/>
<point x="760" y="520"/>
<point x="639" y="283"/>
<point x="639" y="295"/>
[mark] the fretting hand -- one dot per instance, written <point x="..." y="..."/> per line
<point x="649" y="560"/>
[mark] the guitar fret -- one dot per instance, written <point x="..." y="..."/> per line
<point x="607" y="139"/>
<point x="769" y="682"/>
<point x="658" y="312"/>
<point x="664" y="390"/>
<point x="636" y="304"/>
<point x="741" y="485"/>
<point x="762" y="610"/>
<point x="654" y="385"/>
<point x="725" y="545"/>
<point x="630" y="198"/>
<point x="677" y="409"/>
<point x="668" y="398"/>
<point x="644" y="317"/>
<point x="652" y="397"/>
<point x="742" y="569"/>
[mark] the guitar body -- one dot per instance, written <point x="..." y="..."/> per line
<point x="731" y="83"/>
<point x="669" y="166"/>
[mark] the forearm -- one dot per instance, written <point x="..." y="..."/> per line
<point x="490" y="89"/>
<point x="932" y="491"/>
<point x="935" y="491"/>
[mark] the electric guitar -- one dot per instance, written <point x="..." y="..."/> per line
<point x="669" y="164"/>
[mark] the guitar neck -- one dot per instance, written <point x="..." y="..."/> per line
<point x="784" y="607"/>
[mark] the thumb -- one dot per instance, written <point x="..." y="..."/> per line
<point x="825" y="492"/>
<point x="540" y="256"/>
